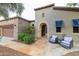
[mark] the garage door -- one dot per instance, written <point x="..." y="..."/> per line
<point x="8" y="31"/>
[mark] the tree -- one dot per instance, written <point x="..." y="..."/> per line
<point x="5" y="8"/>
<point x="72" y="4"/>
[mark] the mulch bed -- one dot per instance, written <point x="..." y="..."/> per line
<point x="5" y="51"/>
<point x="75" y="53"/>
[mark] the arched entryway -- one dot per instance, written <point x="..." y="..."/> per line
<point x="43" y="29"/>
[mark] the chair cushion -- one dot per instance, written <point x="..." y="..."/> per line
<point x="53" y="38"/>
<point x="65" y="42"/>
<point x="68" y="39"/>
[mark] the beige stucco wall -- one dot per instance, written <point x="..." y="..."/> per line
<point x="51" y="16"/>
<point x="22" y="24"/>
<point x="13" y="22"/>
<point x="8" y="22"/>
<point x="39" y="19"/>
<point x="31" y="23"/>
<point x="67" y="17"/>
<point x="18" y="26"/>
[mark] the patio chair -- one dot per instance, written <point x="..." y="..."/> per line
<point x="53" y="39"/>
<point x="67" y="42"/>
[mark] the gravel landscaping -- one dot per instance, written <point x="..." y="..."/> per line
<point x="75" y="53"/>
<point x="4" y="51"/>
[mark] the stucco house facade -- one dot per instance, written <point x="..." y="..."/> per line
<point x="12" y="27"/>
<point x="57" y="20"/>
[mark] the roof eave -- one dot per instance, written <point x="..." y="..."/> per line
<point x="14" y="18"/>
<point x="76" y="9"/>
<point x="44" y="7"/>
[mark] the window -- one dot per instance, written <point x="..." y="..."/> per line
<point x="75" y="25"/>
<point x="43" y="14"/>
<point x="58" y="29"/>
<point x="59" y="24"/>
<point x="75" y="29"/>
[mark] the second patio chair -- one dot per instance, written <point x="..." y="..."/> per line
<point x="67" y="42"/>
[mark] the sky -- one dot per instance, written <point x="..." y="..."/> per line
<point x="29" y="5"/>
<point x="29" y="12"/>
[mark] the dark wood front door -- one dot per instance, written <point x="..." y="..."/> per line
<point x="43" y="30"/>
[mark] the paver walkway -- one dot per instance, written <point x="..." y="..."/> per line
<point x="4" y="51"/>
<point x="40" y="48"/>
<point x="34" y="49"/>
<point x="57" y="50"/>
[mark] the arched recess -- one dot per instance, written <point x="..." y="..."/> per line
<point x="43" y="27"/>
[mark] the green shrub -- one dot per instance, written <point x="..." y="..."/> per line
<point x="29" y="39"/>
<point x="26" y="38"/>
<point x="28" y="35"/>
<point x="21" y="35"/>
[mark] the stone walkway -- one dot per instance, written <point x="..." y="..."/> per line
<point x="40" y="48"/>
